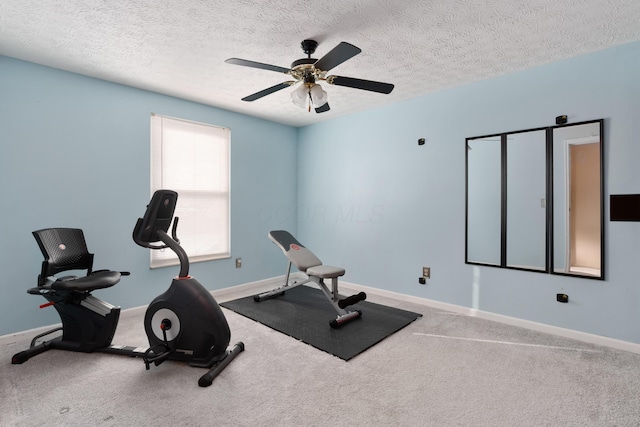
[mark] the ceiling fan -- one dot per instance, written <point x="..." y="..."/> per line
<point x="308" y="71"/>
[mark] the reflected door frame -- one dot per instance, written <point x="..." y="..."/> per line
<point x="570" y="236"/>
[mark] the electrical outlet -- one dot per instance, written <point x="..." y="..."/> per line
<point x="426" y="272"/>
<point x="238" y="262"/>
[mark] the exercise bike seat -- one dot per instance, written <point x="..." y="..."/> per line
<point x="97" y="280"/>
<point x="65" y="249"/>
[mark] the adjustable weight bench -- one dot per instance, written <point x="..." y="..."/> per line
<point x="316" y="272"/>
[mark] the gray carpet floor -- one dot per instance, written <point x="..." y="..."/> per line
<point x="443" y="369"/>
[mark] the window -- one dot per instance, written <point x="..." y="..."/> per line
<point x="193" y="160"/>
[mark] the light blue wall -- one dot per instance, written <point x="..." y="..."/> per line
<point x="384" y="206"/>
<point x="75" y="153"/>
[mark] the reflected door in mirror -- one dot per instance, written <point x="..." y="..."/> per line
<point x="577" y="199"/>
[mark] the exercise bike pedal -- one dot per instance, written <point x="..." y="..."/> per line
<point x="156" y="358"/>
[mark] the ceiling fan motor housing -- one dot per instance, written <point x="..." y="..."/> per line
<point x="303" y="69"/>
<point x="303" y="61"/>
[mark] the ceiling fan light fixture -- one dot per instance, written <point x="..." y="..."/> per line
<point x="300" y="95"/>
<point x="318" y="95"/>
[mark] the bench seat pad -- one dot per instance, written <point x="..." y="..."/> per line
<point x="325" y="271"/>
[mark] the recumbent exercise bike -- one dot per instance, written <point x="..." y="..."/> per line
<point x="183" y="324"/>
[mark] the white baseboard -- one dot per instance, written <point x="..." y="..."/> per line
<point x="247" y="289"/>
<point x="256" y="287"/>
<point x="513" y="321"/>
<point x="261" y="285"/>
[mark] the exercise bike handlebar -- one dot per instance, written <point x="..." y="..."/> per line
<point x="144" y="244"/>
<point x="179" y="250"/>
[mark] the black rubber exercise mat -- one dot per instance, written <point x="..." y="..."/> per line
<point x="304" y="313"/>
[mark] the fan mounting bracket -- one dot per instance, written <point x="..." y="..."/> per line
<point x="309" y="46"/>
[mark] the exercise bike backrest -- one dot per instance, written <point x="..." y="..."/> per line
<point x="64" y="249"/>
<point x="153" y="227"/>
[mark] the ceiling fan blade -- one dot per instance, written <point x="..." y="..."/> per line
<point x="253" y="64"/>
<point x="361" y="84"/>
<point x="323" y="108"/>
<point x="268" y="91"/>
<point x="337" y="56"/>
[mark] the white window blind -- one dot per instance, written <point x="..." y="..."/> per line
<point x="193" y="160"/>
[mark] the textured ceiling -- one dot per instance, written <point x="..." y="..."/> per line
<point x="179" y="47"/>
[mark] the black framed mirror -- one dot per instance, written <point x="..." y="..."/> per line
<point x="506" y="194"/>
<point x="526" y="200"/>
<point x="535" y="200"/>
<point x="484" y="200"/>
